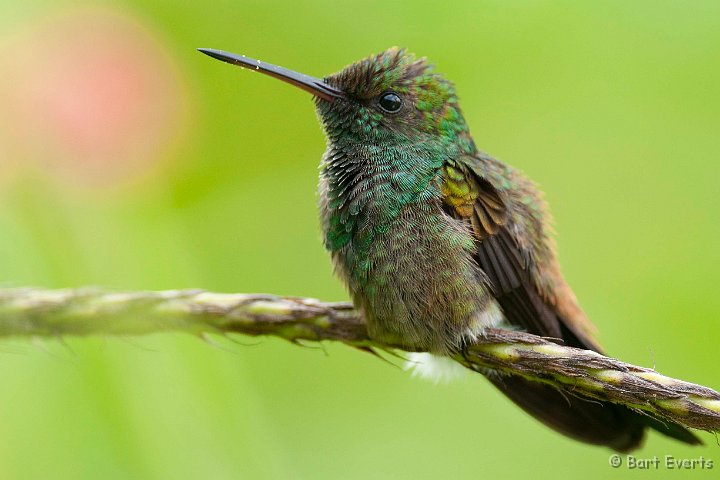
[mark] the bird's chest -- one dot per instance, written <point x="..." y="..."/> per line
<point x="375" y="221"/>
<point x="407" y="265"/>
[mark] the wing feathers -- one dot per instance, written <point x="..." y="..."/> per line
<point x="472" y="198"/>
<point x="548" y="311"/>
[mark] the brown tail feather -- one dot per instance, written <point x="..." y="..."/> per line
<point x="590" y="421"/>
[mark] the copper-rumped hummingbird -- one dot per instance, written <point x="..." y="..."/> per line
<point x="437" y="240"/>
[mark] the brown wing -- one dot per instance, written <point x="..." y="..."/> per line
<point x="508" y="266"/>
<point x="537" y="299"/>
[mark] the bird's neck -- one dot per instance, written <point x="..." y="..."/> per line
<point x="368" y="185"/>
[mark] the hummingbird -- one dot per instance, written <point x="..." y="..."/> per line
<point x="437" y="241"/>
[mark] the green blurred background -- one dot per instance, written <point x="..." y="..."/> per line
<point x="128" y="160"/>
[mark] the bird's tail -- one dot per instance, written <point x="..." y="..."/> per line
<point x="587" y="420"/>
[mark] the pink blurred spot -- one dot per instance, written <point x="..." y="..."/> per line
<point x="93" y="95"/>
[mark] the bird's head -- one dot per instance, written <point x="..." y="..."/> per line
<point x="392" y="97"/>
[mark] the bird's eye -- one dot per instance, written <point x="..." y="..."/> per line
<point x="390" y="102"/>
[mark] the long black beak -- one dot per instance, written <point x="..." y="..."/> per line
<point x="316" y="86"/>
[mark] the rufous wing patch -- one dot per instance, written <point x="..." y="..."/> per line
<point x="472" y="198"/>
